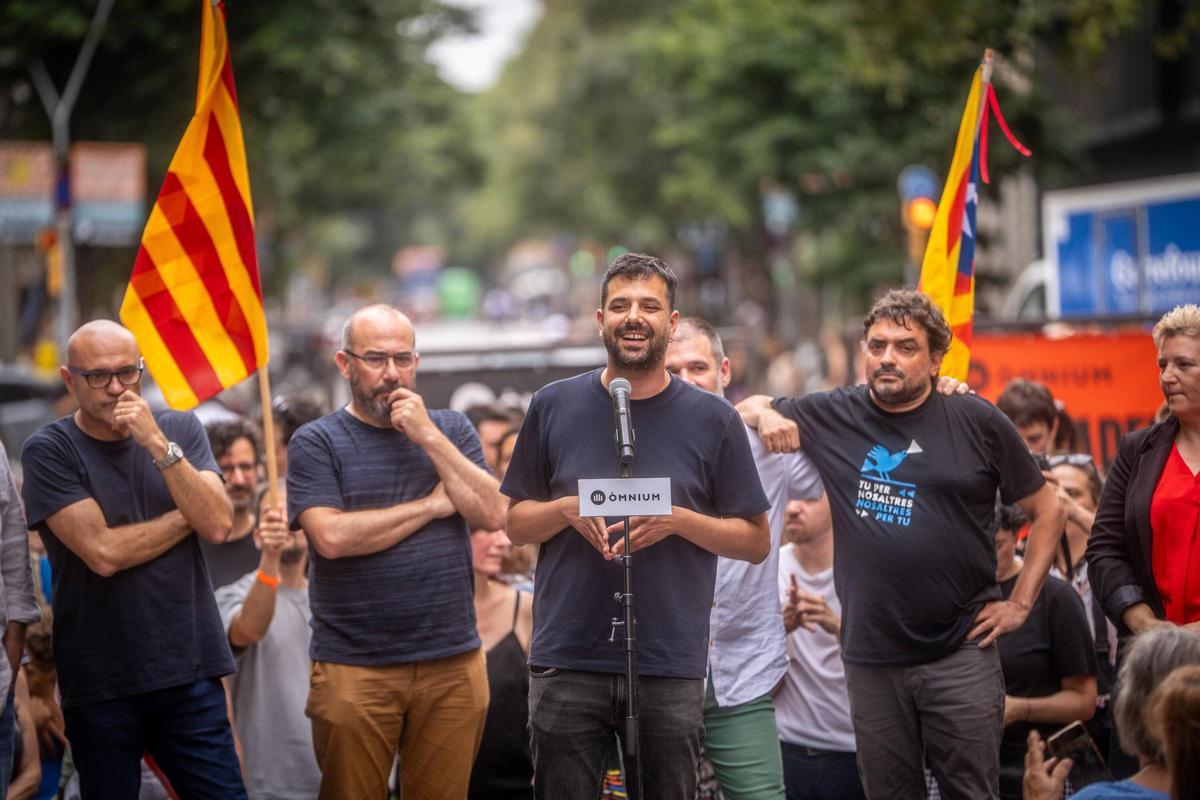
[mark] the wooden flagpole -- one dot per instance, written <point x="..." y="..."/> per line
<point x="268" y="425"/>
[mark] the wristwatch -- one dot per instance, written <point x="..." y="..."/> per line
<point x="174" y="454"/>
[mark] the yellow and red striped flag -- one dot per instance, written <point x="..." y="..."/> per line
<point x="948" y="269"/>
<point x="194" y="300"/>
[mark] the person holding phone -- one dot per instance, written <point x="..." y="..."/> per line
<point x="1152" y="657"/>
<point x="1049" y="663"/>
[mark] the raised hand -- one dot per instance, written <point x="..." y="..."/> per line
<point x="273" y="533"/>
<point x="813" y="610"/>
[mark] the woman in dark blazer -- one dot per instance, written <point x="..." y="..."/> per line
<point x="1144" y="551"/>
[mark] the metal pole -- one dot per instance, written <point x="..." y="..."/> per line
<point x="59" y="108"/>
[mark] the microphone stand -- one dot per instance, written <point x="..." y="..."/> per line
<point x="632" y="760"/>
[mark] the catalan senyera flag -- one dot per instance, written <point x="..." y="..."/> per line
<point x="194" y="300"/>
<point x="948" y="269"/>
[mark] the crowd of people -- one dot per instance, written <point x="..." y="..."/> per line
<point x="894" y="590"/>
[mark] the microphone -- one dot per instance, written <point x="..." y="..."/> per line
<point x="619" y="390"/>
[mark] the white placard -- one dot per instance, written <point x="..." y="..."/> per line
<point x="625" y="497"/>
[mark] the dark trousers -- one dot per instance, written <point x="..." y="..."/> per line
<point x="948" y="713"/>
<point x="185" y="728"/>
<point x="812" y="774"/>
<point x="8" y="742"/>
<point x="573" y="717"/>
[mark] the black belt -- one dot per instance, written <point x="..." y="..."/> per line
<point x="813" y="752"/>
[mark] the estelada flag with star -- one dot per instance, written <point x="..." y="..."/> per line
<point x="948" y="269"/>
<point x="194" y="300"/>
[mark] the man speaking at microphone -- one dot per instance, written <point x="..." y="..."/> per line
<point x="577" y="675"/>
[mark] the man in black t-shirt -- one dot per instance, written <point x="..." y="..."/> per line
<point x="577" y="687"/>
<point x="912" y="477"/>
<point x="116" y="492"/>
<point x="234" y="445"/>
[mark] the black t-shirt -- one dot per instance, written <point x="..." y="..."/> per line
<point x="1054" y="643"/>
<point x="692" y="436"/>
<point x="913" y="502"/>
<point x="148" y="627"/>
<point x="413" y="601"/>
<point x="231" y="561"/>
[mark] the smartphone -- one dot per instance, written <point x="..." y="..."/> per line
<point x="1075" y="743"/>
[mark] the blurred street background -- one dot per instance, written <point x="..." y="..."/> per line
<point x="480" y="163"/>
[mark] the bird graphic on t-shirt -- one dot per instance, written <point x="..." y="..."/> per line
<point x="881" y="462"/>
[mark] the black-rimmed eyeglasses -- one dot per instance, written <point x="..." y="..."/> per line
<point x="100" y="378"/>
<point x="380" y="360"/>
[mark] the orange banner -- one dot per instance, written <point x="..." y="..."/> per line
<point x="1108" y="381"/>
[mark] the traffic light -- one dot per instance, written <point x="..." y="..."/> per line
<point x="918" y="188"/>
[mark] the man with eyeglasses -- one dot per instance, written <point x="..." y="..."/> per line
<point x="235" y="446"/>
<point x="387" y="492"/>
<point x="121" y="496"/>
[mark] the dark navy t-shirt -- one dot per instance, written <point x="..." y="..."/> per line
<point x="413" y="601"/>
<point x="148" y="627"/>
<point x="913" y="500"/>
<point x="695" y="438"/>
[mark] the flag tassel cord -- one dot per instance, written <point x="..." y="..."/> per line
<point x="990" y="105"/>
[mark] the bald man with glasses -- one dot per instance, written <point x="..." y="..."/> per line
<point x="387" y="492"/>
<point x="122" y="496"/>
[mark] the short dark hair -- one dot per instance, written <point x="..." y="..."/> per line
<point x="223" y="433"/>
<point x="644" y="267"/>
<point x="1027" y="402"/>
<point x="704" y="328"/>
<point x="291" y="411"/>
<point x="907" y="307"/>
<point x="1010" y="518"/>
<point x="486" y="412"/>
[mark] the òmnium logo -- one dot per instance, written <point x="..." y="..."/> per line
<point x="598" y="498"/>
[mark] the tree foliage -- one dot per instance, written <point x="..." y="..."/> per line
<point x="631" y="124"/>
<point x="355" y="145"/>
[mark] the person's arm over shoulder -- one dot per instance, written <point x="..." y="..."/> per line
<point x="738" y="527"/>
<point x="777" y="429"/>
<point x="1109" y="569"/>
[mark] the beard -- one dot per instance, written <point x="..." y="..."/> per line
<point x="241" y="499"/>
<point x="374" y="402"/>
<point x="654" y="354"/>
<point x="292" y="554"/>
<point x="892" y="394"/>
